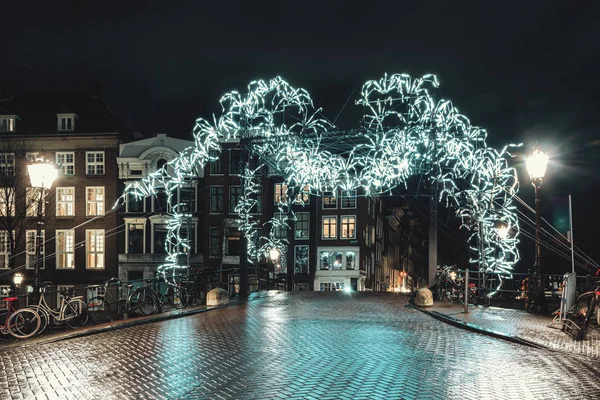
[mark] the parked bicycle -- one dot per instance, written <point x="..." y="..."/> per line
<point x="106" y="304"/>
<point x="588" y="306"/>
<point x="148" y="300"/>
<point x="20" y="323"/>
<point x="72" y="310"/>
<point x="450" y="286"/>
<point x="200" y="283"/>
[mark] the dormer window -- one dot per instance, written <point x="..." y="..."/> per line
<point x="7" y="123"/>
<point x="66" y="122"/>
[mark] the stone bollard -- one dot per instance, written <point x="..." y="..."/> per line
<point x="424" y="298"/>
<point x="217" y="297"/>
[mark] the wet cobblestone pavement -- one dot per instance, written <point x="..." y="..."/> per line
<point x="313" y="345"/>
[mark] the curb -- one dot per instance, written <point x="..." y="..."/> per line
<point x="479" y="329"/>
<point x="125" y="324"/>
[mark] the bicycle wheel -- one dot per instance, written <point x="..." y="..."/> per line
<point x="582" y="303"/>
<point x="144" y="301"/>
<point x="44" y="318"/>
<point x="23" y="323"/>
<point x="177" y="296"/>
<point x="99" y="309"/>
<point x="76" y="313"/>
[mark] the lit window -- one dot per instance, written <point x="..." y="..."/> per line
<point x="65" y="202"/>
<point x="95" y="248"/>
<point x="31" y="157"/>
<point x="348" y="225"/>
<point x="216" y="199"/>
<point x="280" y="193"/>
<point x="7" y="164"/>
<point x="348" y="198"/>
<point x="4" y="249"/>
<point x="329" y="200"/>
<point x="7" y="201"/>
<point x="66" y="163"/>
<point x="336" y="258"/>
<point x="329" y="228"/>
<point x="66" y="122"/>
<point x="235" y="193"/>
<point x="7" y="123"/>
<point x="30" y="247"/>
<point x="302" y="225"/>
<point x="65" y="249"/>
<point x="233" y="243"/>
<point x="301" y="259"/>
<point x="94" y="161"/>
<point x="304" y="196"/>
<point x="32" y="199"/>
<point x="95" y="201"/>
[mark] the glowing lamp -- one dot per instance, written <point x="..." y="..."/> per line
<point x="274" y="254"/>
<point x="536" y="165"/>
<point x="18" y="279"/>
<point x="42" y="174"/>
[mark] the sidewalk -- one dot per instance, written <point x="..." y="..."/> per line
<point x="55" y="336"/>
<point x="518" y="325"/>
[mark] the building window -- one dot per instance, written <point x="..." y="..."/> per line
<point x="336" y="259"/>
<point x="303" y="197"/>
<point x="30" y="247"/>
<point x="135" y="238"/>
<point x="235" y="193"/>
<point x="216" y="199"/>
<point x="348" y="224"/>
<point x="7" y="202"/>
<point x="32" y="198"/>
<point x="95" y="248"/>
<point x="324" y="260"/>
<point x="329" y="227"/>
<point x="94" y="161"/>
<point x="187" y="199"/>
<point x="7" y="124"/>
<point x="302" y="225"/>
<point x="329" y="200"/>
<point x="280" y="193"/>
<point x="7" y="164"/>
<point x="66" y="163"/>
<point x="279" y="226"/>
<point x="4" y="249"/>
<point x="160" y="239"/>
<point x="235" y="161"/>
<point x="348" y="198"/>
<point x="66" y="122"/>
<point x="95" y="201"/>
<point x="135" y="203"/>
<point x="160" y="201"/>
<point x="233" y="245"/>
<point x="350" y="260"/>
<point x="257" y="207"/>
<point x="31" y="156"/>
<point x="216" y="164"/>
<point x="65" y="249"/>
<point x="65" y="202"/>
<point x="60" y="289"/>
<point x="331" y="286"/>
<point x="215" y="242"/>
<point x="301" y="259"/>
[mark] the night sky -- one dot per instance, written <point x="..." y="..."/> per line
<point x="526" y="71"/>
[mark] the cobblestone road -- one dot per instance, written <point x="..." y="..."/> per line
<point x="314" y="345"/>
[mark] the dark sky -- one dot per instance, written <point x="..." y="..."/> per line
<point x="525" y="70"/>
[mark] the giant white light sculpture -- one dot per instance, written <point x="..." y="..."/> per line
<point x="406" y="132"/>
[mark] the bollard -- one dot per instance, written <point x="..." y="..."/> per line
<point x="466" y="296"/>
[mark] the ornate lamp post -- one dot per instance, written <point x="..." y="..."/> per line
<point x="536" y="166"/>
<point x="42" y="175"/>
<point x="17" y="280"/>
<point x="274" y="255"/>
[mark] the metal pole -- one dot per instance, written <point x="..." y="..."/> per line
<point x="538" y="303"/>
<point x="432" y="234"/>
<point x="571" y="238"/>
<point x="466" y="290"/>
<point x="38" y="247"/>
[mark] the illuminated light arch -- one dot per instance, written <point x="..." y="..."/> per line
<point x="406" y="132"/>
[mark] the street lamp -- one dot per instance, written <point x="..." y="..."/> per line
<point x="42" y="174"/>
<point x="502" y="229"/>
<point x="274" y="255"/>
<point x="536" y="166"/>
<point x="17" y="280"/>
